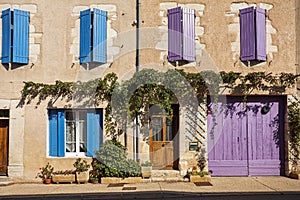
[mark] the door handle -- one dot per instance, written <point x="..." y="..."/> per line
<point x="163" y="145"/>
<point x="238" y="139"/>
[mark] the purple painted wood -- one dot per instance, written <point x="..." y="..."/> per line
<point x="247" y="34"/>
<point x="174" y="34"/>
<point x="246" y="139"/>
<point x="261" y="34"/>
<point x="188" y="31"/>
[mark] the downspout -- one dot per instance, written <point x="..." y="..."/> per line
<point x="137" y="62"/>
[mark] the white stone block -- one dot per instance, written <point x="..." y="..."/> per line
<point x="236" y="20"/>
<point x="37" y="35"/>
<point x="197" y="7"/>
<point x="29" y="7"/>
<point x="162" y="45"/>
<point x="108" y="8"/>
<point x="113" y="50"/>
<point x="266" y="6"/>
<point x="34" y="49"/>
<point x="4" y="6"/>
<point x="270" y="29"/>
<point x="77" y="9"/>
<point x="164" y="21"/>
<point x="111" y="33"/>
<point x="114" y="17"/>
<point x="15" y="6"/>
<point x="199" y="30"/>
<point x="197" y="21"/>
<point x="74" y="49"/>
<point x="31" y="29"/>
<point x="235" y="7"/>
<point x="31" y="40"/>
<point x="272" y="48"/>
<point x="162" y="13"/>
<point x="76" y="40"/>
<point x="234" y="27"/>
<point x="33" y="58"/>
<point x="230" y="14"/>
<point x="235" y="46"/>
<point x="269" y="39"/>
<point x="74" y="32"/>
<point x="167" y="5"/>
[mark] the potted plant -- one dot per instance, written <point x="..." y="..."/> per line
<point x="146" y="169"/>
<point x="45" y="173"/>
<point x="82" y="167"/>
<point x="63" y="176"/>
<point x="198" y="173"/>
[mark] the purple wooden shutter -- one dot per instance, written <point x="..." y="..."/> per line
<point x="188" y="28"/>
<point x="174" y="34"/>
<point x="247" y="34"/>
<point x="261" y="34"/>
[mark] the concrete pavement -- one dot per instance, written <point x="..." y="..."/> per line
<point x="220" y="185"/>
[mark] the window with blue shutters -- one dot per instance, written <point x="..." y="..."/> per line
<point x="181" y="34"/>
<point x="74" y="132"/>
<point x="93" y="36"/>
<point x="15" y="36"/>
<point x="253" y="34"/>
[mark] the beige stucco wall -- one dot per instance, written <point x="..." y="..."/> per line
<point x="53" y="57"/>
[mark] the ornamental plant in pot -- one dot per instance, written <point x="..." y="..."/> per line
<point x="82" y="170"/>
<point x="45" y="173"/>
<point x="146" y="168"/>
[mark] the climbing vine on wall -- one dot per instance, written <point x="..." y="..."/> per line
<point x="149" y="87"/>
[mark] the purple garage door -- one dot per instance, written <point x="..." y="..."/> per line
<point x="246" y="139"/>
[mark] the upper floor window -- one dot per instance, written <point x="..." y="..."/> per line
<point x="15" y="36"/>
<point x="93" y="28"/>
<point x="181" y="34"/>
<point x="253" y="34"/>
<point x="74" y="132"/>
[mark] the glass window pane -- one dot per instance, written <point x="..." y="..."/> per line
<point x="70" y="136"/>
<point x="169" y="130"/>
<point x="157" y="129"/>
<point x="82" y="131"/>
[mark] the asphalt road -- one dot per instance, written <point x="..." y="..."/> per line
<point x="164" y="195"/>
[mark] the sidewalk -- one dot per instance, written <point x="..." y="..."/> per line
<point x="219" y="185"/>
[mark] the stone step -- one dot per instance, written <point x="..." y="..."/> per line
<point x="165" y="179"/>
<point x="5" y="181"/>
<point x="165" y="173"/>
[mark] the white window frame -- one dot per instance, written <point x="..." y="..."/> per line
<point x="77" y="120"/>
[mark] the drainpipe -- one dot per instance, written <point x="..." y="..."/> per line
<point x="137" y="62"/>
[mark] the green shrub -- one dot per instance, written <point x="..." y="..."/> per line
<point x="112" y="161"/>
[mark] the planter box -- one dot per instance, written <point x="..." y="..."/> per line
<point x="146" y="172"/>
<point x="197" y="178"/>
<point x="82" y="177"/>
<point x="295" y="176"/>
<point x="60" y="178"/>
<point x="128" y="180"/>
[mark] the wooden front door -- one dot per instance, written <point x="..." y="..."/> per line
<point x="3" y="147"/>
<point x="162" y="145"/>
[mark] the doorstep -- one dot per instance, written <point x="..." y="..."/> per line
<point x="165" y="176"/>
<point x="5" y="181"/>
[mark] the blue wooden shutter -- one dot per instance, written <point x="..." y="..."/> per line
<point x="20" y="37"/>
<point x="247" y="34"/>
<point x="56" y="133"/>
<point x="174" y="34"/>
<point x="99" y="36"/>
<point x="94" y="131"/>
<point x="261" y="43"/>
<point x="85" y="36"/>
<point x="6" y="36"/>
<point x="188" y="29"/>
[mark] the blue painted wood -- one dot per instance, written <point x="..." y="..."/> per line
<point x="188" y="34"/>
<point x="20" y="37"/>
<point x="174" y="34"/>
<point x="53" y="135"/>
<point x="99" y="36"/>
<point x="94" y="131"/>
<point x="6" y="36"/>
<point x="85" y="36"/>
<point x="61" y="133"/>
<point x="261" y="41"/>
<point x="247" y="34"/>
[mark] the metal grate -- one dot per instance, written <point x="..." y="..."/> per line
<point x="129" y="188"/>
<point x="203" y="184"/>
<point x="116" y="185"/>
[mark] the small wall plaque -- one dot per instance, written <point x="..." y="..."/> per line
<point x="193" y="146"/>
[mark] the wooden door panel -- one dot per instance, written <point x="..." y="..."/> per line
<point x="3" y="147"/>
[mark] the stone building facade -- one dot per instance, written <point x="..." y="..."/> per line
<point x="54" y="48"/>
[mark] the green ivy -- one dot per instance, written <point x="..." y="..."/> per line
<point x="148" y="87"/>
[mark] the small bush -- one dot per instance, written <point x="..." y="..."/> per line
<point x="112" y="161"/>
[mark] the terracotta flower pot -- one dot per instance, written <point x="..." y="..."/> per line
<point x="47" y="181"/>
